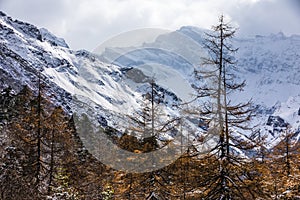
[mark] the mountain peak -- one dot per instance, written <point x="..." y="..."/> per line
<point x="2" y="14"/>
<point x="29" y="31"/>
<point x="279" y="35"/>
<point x="269" y="64"/>
<point x="52" y="39"/>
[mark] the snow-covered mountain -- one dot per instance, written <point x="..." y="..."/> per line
<point x="27" y="50"/>
<point x="77" y="80"/>
<point x="270" y="65"/>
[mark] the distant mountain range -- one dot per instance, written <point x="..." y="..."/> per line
<point x="269" y="64"/>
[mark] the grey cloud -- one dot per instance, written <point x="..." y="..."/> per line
<point x="267" y="17"/>
<point x="40" y="12"/>
<point x="85" y="24"/>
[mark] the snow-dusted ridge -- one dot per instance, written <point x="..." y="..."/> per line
<point x="270" y="65"/>
<point x="80" y="73"/>
<point x="74" y="77"/>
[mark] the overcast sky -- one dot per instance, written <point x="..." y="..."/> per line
<point x="84" y="24"/>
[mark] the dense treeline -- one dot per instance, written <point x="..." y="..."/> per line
<point x="42" y="156"/>
<point x="58" y="166"/>
<point x="67" y="171"/>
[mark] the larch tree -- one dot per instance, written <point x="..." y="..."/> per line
<point x="20" y="130"/>
<point x="26" y="133"/>
<point x="282" y="180"/>
<point x="55" y="144"/>
<point x="12" y="182"/>
<point x="228" y="120"/>
<point x="151" y="123"/>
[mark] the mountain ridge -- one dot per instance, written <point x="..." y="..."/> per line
<point x="27" y="51"/>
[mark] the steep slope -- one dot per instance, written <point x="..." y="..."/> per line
<point x="103" y="99"/>
<point x="27" y="51"/>
<point x="270" y="65"/>
<point x="77" y="80"/>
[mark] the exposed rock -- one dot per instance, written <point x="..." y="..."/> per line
<point x="276" y="121"/>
